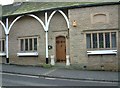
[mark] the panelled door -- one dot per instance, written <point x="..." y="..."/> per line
<point x="61" y="49"/>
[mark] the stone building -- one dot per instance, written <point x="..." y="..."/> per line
<point x="85" y="34"/>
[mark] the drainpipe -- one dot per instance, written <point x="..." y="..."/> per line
<point x="7" y="34"/>
<point x="46" y="33"/>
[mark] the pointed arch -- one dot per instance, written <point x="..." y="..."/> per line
<point x="31" y="15"/>
<point x="63" y="14"/>
<point x="13" y="23"/>
<point x="66" y="18"/>
<point x="50" y="17"/>
<point x="38" y="19"/>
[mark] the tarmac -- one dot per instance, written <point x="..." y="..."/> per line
<point x="63" y="73"/>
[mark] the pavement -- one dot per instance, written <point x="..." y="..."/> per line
<point x="61" y="73"/>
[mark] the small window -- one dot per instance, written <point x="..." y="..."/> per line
<point x="2" y="45"/>
<point x="28" y="44"/>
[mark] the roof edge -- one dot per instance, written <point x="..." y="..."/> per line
<point x="71" y="7"/>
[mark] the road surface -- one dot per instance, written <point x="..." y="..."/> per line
<point x="9" y="79"/>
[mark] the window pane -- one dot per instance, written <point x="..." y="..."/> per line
<point x="94" y="40"/>
<point x="107" y="40"/>
<point x="35" y="43"/>
<point x="113" y="36"/>
<point x="30" y="44"/>
<point x="101" y="44"/>
<point x="26" y="44"/>
<point x="3" y="45"/>
<point x="88" y="40"/>
<point x="22" y="45"/>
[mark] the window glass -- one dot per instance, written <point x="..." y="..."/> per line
<point x="88" y="40"/>
<point x="94" y="40"/>
<point x="35" y="43"/>
<point x="113" y="37"/>
<point x="101" y="43"/>
<point x="3" y="45"/>
<point x="101" y="40"/>
<point x="107" y="40"/>
<point x="22" y="44"/>
<point x="30" y="42"/>
<point x="26" y="44"/>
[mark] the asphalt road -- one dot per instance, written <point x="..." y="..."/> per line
<point x="27" y="80"/>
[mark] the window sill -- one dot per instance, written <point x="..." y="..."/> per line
<point x="3" y="54"/>
<point x="27" y="54"/>
<point x="102" y="52"/>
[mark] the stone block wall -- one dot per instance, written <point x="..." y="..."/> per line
<point x="86" y="22"/>
<point x="26" y="27"/>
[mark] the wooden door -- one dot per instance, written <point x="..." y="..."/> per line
<point x="60" y="49"/>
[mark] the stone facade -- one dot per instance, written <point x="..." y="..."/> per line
<point x="78" y="51"/>
<point x="88" y="20"/>
<point x="25" y="27"/>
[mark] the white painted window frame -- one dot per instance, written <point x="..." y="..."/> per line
<point x="2" y="54"/>
<point x="29" y="52"/>
<point x="102" y="52"/>
<point x="103" y="39"/>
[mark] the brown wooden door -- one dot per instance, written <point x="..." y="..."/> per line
<point x="60" y="49"/>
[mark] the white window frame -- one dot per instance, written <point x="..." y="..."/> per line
<point x="28" y="52"/>
<point x="102" y="51"/>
